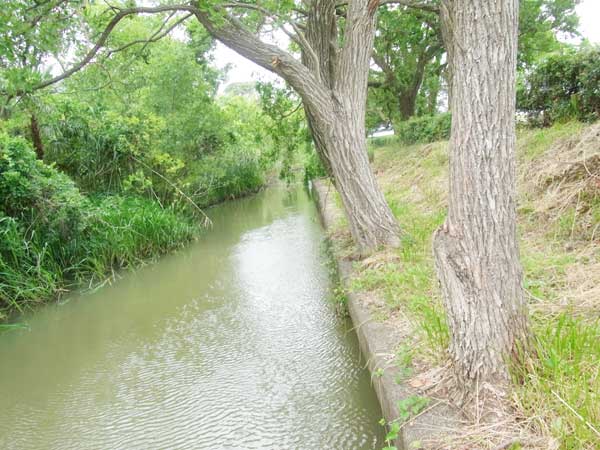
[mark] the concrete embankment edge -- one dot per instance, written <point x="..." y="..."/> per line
<point x="378" y="343"/>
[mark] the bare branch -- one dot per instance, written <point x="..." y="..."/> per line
<point x="158" y="35"/>
<point x="104" y="36"/>
<point x="424" y="5"/>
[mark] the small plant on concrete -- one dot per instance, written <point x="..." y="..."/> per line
<point x="411" y="406"/>
<point x="404" y="360"/>
<point x="392" y="434"/>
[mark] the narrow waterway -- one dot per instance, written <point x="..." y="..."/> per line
<point x="232" y="343"/>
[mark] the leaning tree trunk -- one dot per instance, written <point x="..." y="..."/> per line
<point x="339" y="128"/>
<point x="339" y="125"/>
<point x="477" y="257"/>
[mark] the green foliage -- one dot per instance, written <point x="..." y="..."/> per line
<point x="160" y="132"/>
<point x="53" y="236"/>
<point x="563" y="86"/>
<point x="289" y="132"/>
<point x="231" y="174"/>
<point x="30" y="31"/>
<point x="561" y="386"/>
<point x="404" y="361"/>
<point x="411" y="406"/>
<point x="313" y="167"/>
<point x="424" y="129"/>
<point x="539" y="23"/>
<point x="392" y="434"/>
<point x="407" y="408"/>
<point x="408" y="52"/>
<point x="33" y="193"/>
<point x="103" y="151"/>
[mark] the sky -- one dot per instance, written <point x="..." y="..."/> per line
<point x="243" y="70"/>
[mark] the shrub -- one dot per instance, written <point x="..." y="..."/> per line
<point x="111" y="153"/>
<point x="227" y="175"/>
<point x="424" y="129"/>
<point x="52" y="236"/>
<point x="313" y="167"/>
<point x="563" y="86"/>
<point x="36" y="194"/>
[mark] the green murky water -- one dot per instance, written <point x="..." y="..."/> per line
<point x="231" y="343"/>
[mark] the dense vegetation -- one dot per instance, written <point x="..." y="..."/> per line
<point x="115" y="166"/>
<point x="111" y="163"/>
<point x="53" y="235"/>
<point x="561" y="86"/>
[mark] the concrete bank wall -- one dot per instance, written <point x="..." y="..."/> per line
<point x="379" y="342"/>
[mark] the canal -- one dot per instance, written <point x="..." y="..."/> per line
<point x="231" y="343"/>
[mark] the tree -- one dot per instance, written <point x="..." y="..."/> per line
<point x="409" y="52"/>
<point x="539" y="23"/>
<point x="408" y="48"/>
<point x="331" y="80"/>
<point x="476" y="251"/>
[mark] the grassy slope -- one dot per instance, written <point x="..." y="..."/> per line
<point x="558" y="225"/>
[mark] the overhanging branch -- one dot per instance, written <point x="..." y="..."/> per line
<point x="104" y="36"/>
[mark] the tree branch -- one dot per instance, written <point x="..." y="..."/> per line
<point x="231" y="32"/>
<point x="424" y="5"/>
<point x="430" y="6"/>
<point x="104" y="36"/>
<point x="157" y="36"/>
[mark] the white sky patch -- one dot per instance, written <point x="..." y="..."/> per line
<point x="589" y="20"/>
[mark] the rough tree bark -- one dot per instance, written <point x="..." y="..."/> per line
<point x="321" y="32"/>
<point x="476" y="251"/>
<point x="339" y="129"/>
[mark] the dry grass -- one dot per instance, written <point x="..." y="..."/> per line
<point x="555" y="404"/>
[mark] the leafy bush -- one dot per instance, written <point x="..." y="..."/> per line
<point x="424" y="129"/>
<point x="230" y="174"/>
<point x="36" y="194"/>
<point x="313" y="167"/>
<point x="52" y="236"/>
<point x="563" y="86"/>
<point x="107" y="152"/>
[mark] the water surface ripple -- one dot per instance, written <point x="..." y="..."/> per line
<point x="229" y="344"/>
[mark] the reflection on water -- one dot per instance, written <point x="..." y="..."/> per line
<point x="228" y="344"/>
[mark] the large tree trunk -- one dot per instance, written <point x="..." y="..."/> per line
<point x="339" y="126"/>
<point x="407" y="103"/>
<point x="477" y="257"/>
<point x="371" y="222"/>
<point x="321" y="31"/>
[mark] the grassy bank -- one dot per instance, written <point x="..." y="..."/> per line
<point x="556" y="401"/>
<point x="54" y="238"/>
